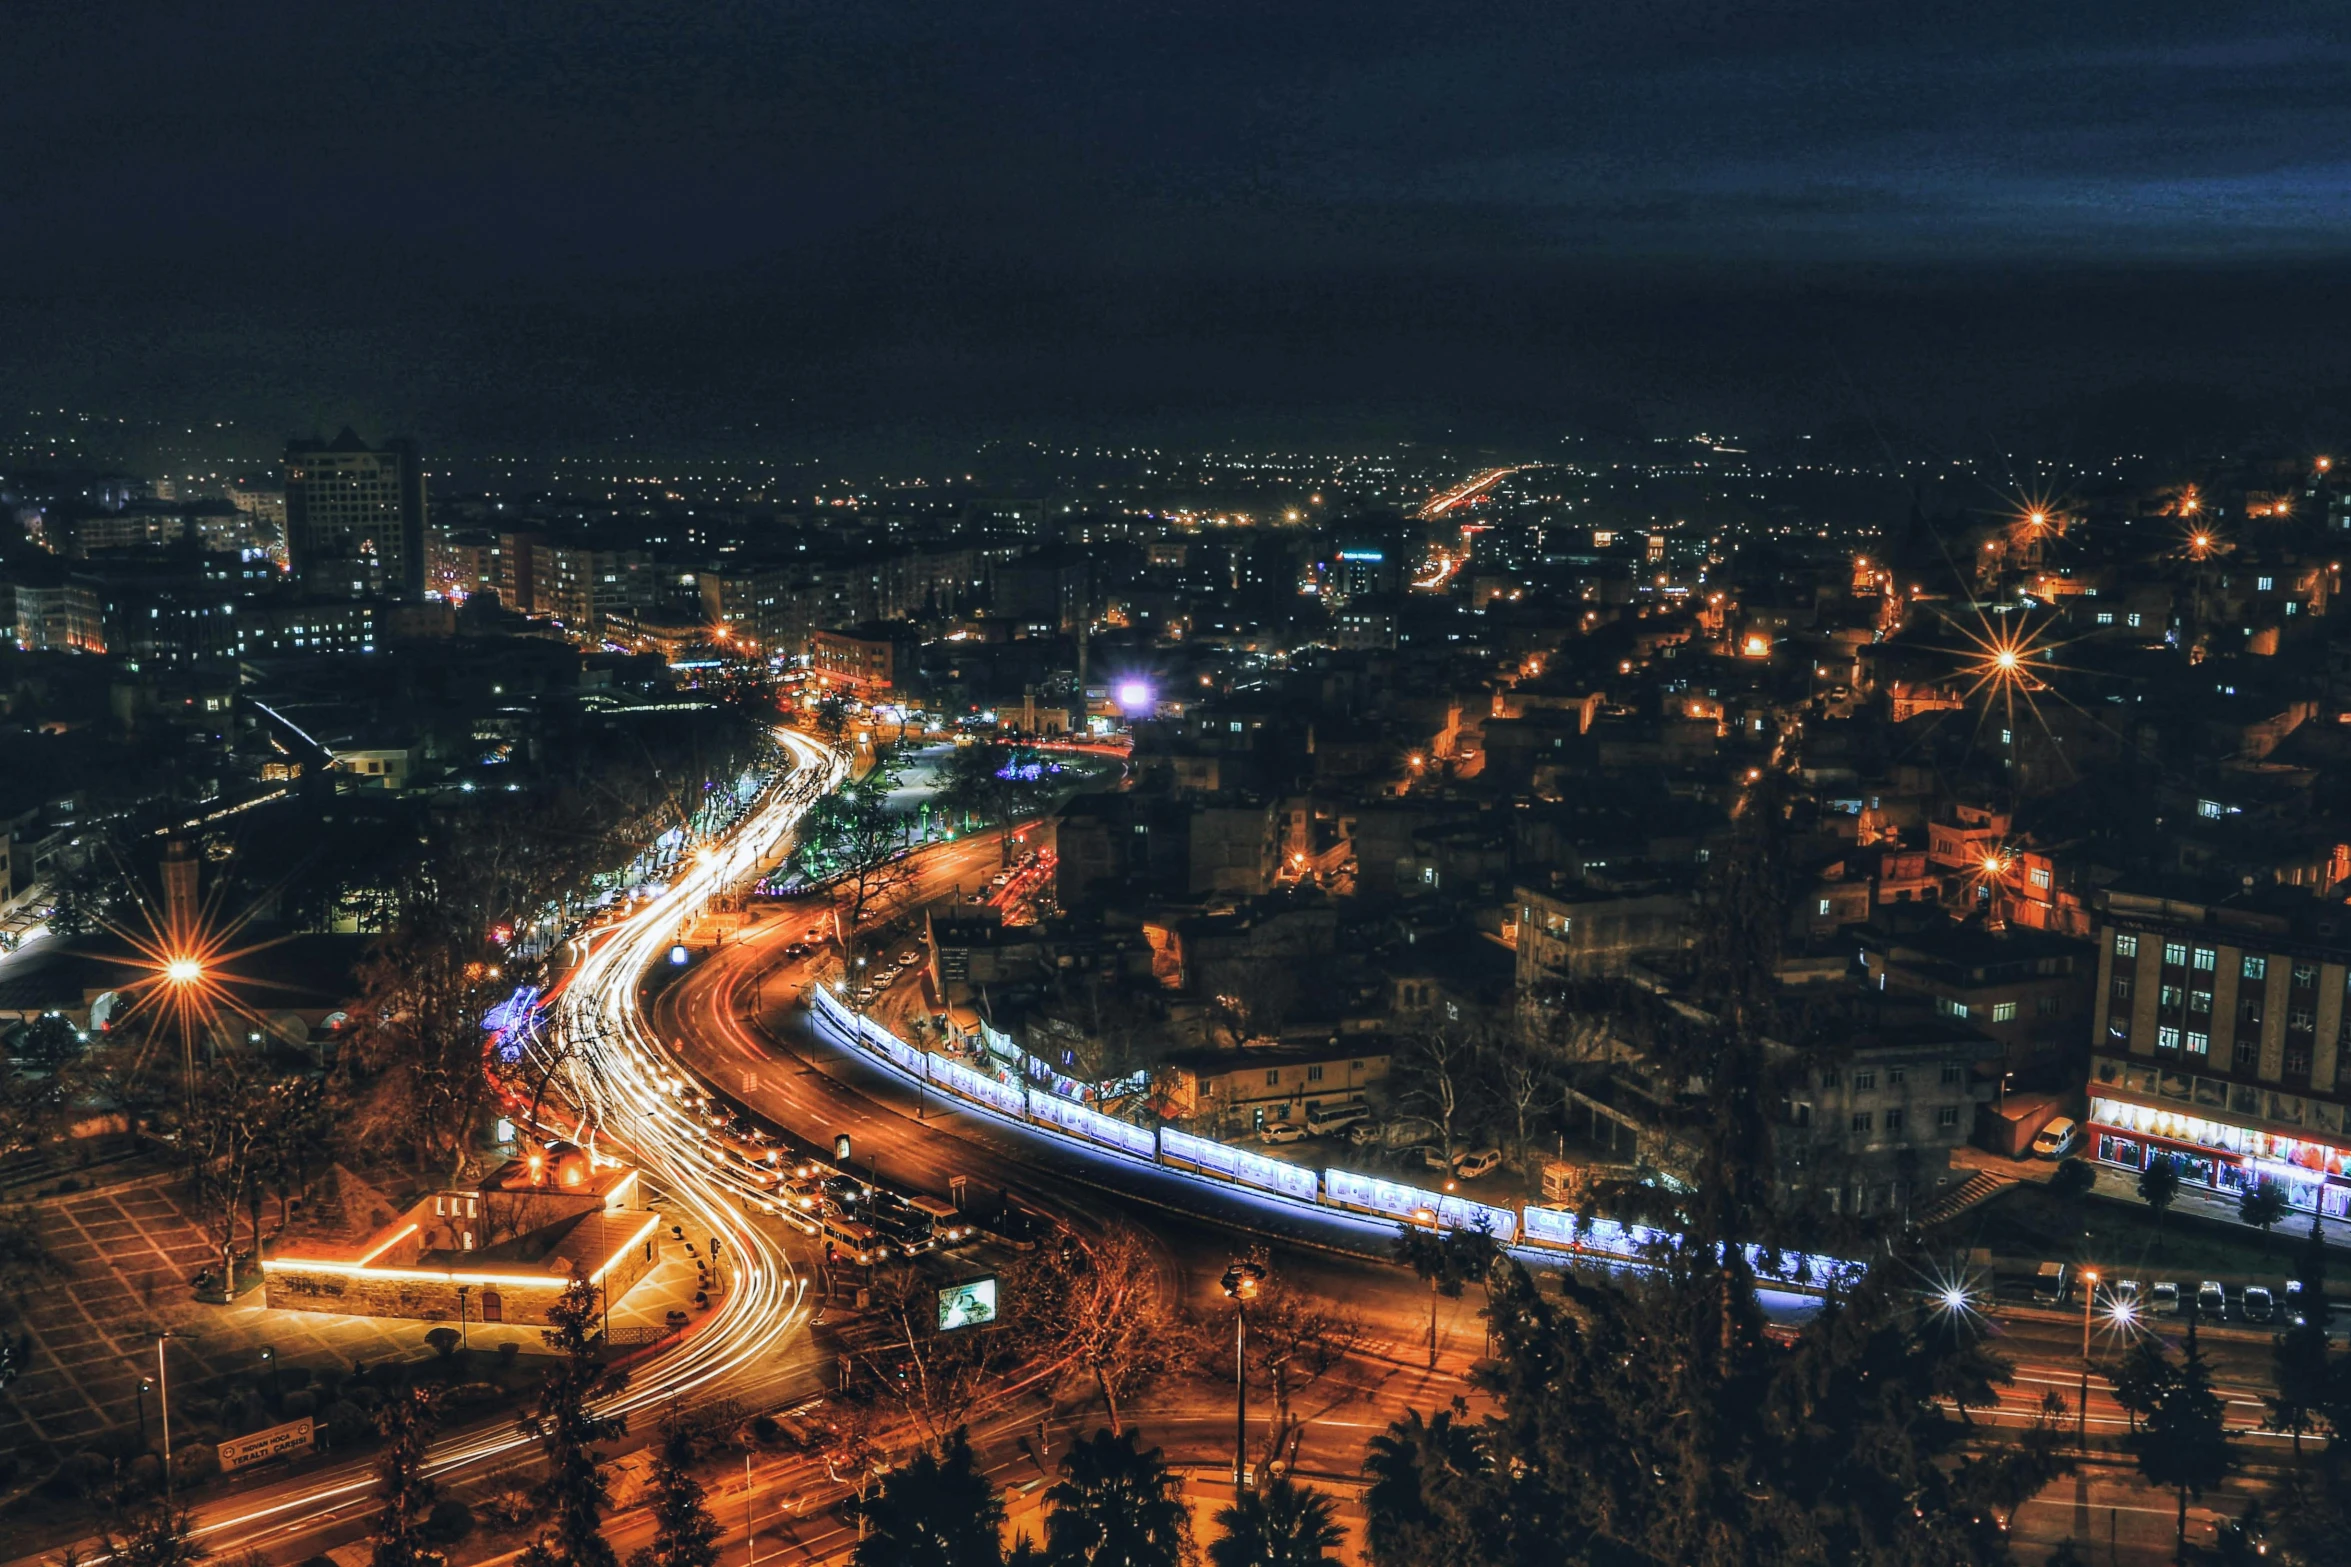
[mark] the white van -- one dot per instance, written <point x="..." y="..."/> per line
<point x="1328" y="1120"/>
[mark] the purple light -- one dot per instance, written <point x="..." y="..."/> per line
<point x="1134" y="695"/>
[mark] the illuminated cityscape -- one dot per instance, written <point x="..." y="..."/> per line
<point x="1249" y="789"/>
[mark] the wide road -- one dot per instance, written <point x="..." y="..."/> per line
<point x="740" y="1021"/>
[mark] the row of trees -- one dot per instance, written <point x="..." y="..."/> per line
<point x="1116" y="1502"/>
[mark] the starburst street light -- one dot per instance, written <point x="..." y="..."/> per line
<point x="184" y="971"/>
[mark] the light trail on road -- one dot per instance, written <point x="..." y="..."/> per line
<point x="627" y="1088"/>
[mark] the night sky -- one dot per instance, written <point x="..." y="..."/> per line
<point x="502" y="226"/>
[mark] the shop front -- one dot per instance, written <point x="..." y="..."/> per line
<point x="2220" y="1157"/>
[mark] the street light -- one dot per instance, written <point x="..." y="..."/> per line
<point x="2089" y="1296"/>
<point x="163" y="1388"/>
<point x="183" y="971"/>
<point x="1241" y="1282"/>
<point x="146" y="1386"/>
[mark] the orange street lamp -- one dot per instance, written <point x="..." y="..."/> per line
<point x="183" y="971"/>
<point x="2089" y="1294"/>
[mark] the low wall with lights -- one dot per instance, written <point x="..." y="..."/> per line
<point x="619" y="1252"/>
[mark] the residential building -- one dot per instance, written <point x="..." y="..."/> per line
<point x="2026" y="991"/>
<point x="1244" y="1089"/>
<point x="2219" y="1040"/>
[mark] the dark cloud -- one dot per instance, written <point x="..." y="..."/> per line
<point x="557" y="222"/>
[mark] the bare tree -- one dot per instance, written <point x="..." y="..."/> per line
<point x="1437" y="1071"/>
<point x="1526" y="1081"/>
<point x="934" y="1378"/>
<point x="1108" y="1315"/>
<point x="423" y="991"/>
<point x="223" y="1134"/>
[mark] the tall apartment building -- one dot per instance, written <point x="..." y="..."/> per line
<point x="355" y="517"/>
<point x="2219" y="1041"/>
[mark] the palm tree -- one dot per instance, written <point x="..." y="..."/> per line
<point x="1115" y="1507"/>
<point x="159" y="1537"/>
<point x="937" y="1511"/>
<point x="1282" y="1525"/>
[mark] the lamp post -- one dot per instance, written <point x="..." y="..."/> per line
<point x="462" y="1341"/>
<point x="163" y="1388"/>
<point x="2089" y="1296"/>
<point x="145" y="1384"/>
<point x="1241" y="1282"/>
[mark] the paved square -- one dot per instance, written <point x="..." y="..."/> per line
<point x="132" y="1250"/>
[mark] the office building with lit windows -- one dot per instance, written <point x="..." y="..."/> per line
<point x="2218" y="1037"/>
<point x="355" y="517"/>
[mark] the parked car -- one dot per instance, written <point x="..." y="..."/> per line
<point x="2257" y="1304"/>
<point x="1282" y="1132"/>
<point x="799" y="949"/>
<point x="1430" y="1157"/>
<point x="1362" y="1135"/>
<point x="2164" y="1299"/>
<point x="2125" y="1294"/>
<point x="2057" y="1139"/>
<point x="909" y="958"/>
<point x="1475" y="1166"/>
<point x="2212" y="1300"/>
<point x="2294" y="1312"/>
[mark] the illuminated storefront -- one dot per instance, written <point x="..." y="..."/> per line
<point x="2219" y="1156"/>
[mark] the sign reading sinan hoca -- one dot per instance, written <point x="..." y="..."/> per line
<point x="295" y="1436"/>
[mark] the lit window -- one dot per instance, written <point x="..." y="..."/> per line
<point x="2256" y="968"/>
<point x="2003" y="1011"/>
<point x="2167" y="1039"/>
<point x="2199" y="1044"/>
<point x="2205" y="957"/>
<point x="2126" y="945"/>
<point x="2175" y="953"/>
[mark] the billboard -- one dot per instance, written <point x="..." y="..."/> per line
<point x="295" y="1436"/>
<point x="967" y="1305"/>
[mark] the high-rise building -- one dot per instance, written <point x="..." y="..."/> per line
<point x="355" y="517"/>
